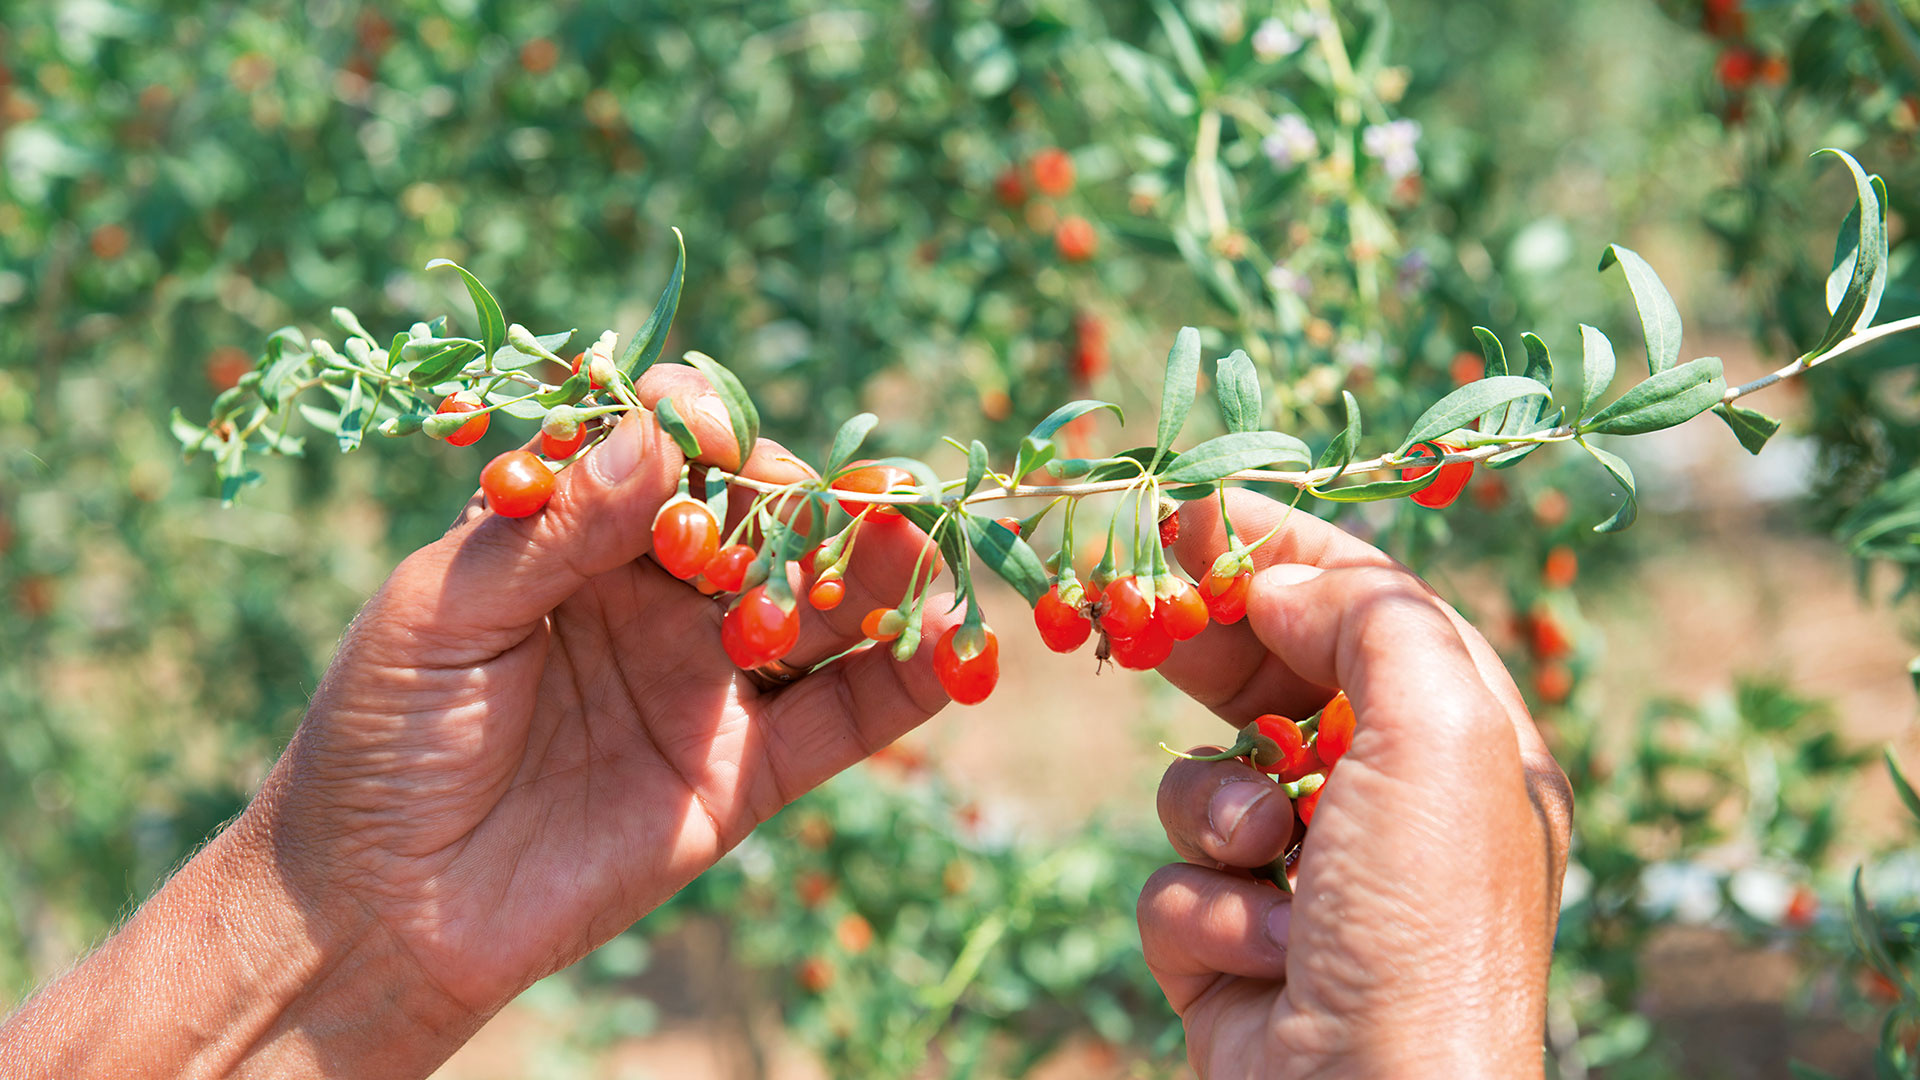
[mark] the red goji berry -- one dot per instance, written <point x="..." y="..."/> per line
<point x="516" y="484"/>
<point x="685" y="537"/>
<point x="468" y="433"/>
<point x="1063" y="626"/>
<point x="967" y="681"/>
<point x="1446" y="487"/>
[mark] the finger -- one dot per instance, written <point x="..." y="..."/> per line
<point x="840" y="715"/>
<point x="890" y="555"/>
<point x="1227" y="668"/>
<point x="1224" y="813"/>
<point x="1382" y="636"/>
<point x="481" y="585"/>
<point x="693" y="398"/>
<point x="1197" y="924"/>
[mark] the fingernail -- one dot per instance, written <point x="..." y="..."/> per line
<point x="1279" y="922"/>
<point x="1290" y="573"/>
<point x="1230" y="805"/>
<point x="616" y="458"/>
<point x="711" y="407"/>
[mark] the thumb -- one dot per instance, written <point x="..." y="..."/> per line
<point x="490" y="577"/>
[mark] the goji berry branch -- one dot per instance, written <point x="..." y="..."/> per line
<point x="1132" y="595"/>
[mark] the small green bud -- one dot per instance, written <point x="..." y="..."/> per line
<point x="562" y="422"/>
<point x="441" y="425"/>
<point x="395" y="426"/>
<point x="907" y="643"/>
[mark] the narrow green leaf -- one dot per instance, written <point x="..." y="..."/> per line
<point x="1866" y="930"/>
<point x="846" y="441"/>
<point x="1659" y="318"/>
<point x="1339" y="453"/>
<point x="952" y="540"/>
<point x="352" y="418"/>
<point x="1752" y="427"/>
<point x="1661" y="401"/>
<point x="191" y="435"/>
<point x="287" y="356"/>
<point x="1596" y="368"/>
<point x="675" y="425"/>
<point x="1237" y="387"/>
<point x="651" y="338"/>
<point x="742" y="416"/>
<point x="1007" y="555"/>
<point x="1901" y="784"/>
<point x="1176" y="395"/>
<point x="1624" y="517"/>
<point x="1459" y="408"/>
<point x="566" y="393"/>
<point x="493" y="325"/>
<point x="1859" y="299"/>
<point x="327" y="421"/>
<point x="1068" y="413"/>
<point x="1523" y="417"/>
<point x="1126" y="463"/>
<point x="1221" y="457"/>
<point x="976" y="468"/>
<point x="1033" y="454"/>
<point x="1186" y="51"/>
<point x="1494" y="356"/>
<point x="438" y="361"/>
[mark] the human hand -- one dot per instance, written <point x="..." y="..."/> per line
<point x="531" y="736"/>
<point x="1420" y="929"/>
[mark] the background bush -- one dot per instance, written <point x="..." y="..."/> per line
<point x="178" y="180"/>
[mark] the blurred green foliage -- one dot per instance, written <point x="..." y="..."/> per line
<point x="177" y="180"/>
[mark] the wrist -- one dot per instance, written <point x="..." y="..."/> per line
<point x="232" y="968"/>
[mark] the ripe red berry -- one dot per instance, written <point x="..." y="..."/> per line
<point x="1129" y="608"/>
<point x="883" y="624"/>
<point x="1737" y="67"/>
<point x="1075" y="239"/>
<point x="872" y="480"/>
<point x="1553" y="683"/>
<point x="1562" y="567"/>
<point x="1010" y="189"/>
<point x="1546" y="637"/>
<point x="1089" y="346"/>
<point x="1170" y="529"/>
<point x="1147" y="649"/>
<point x="685" y="537"/>
<point x="226" y="365"/>
<point x="967" y="682"/>
<point x="1335" y="733"/>
<point x="1773" y="71"/>
<point x="516" y="483"/>
<point x="1010" y="524"/>
<point x="1061" y="624"/>
<point x="826" y="595"/>
<point x="1446" y="487"/>
<point x="1296" y="759"/>
<point x="758" y="630"/>
<point x="1801" y="908"/>
<point x="1052" y="171"/>
<point x="1227" y="600"/>
<point x="727" y="570"/>
<point x="1723" y="18"/>
<point x="815" y="974"/>
<point x="579" y="365"/>
<point x="468" y="433"/>
<point x="1182" y="615"/>
<point x="1466" y="367"/>
<point x="561" y="449"/>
